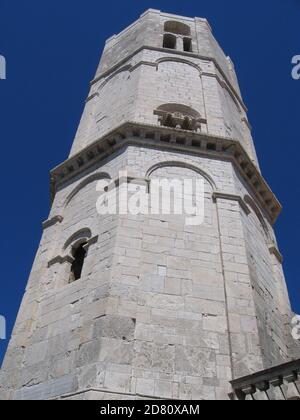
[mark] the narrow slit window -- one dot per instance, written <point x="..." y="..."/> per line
<point x="187" y="45"/>
<point x="79" y="255"/>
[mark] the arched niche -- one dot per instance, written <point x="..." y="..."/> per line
<point x="181" y="181"/>
<point x="179" y="60"/>
<point x="180" y="164"/>
<point x="85" y="183"/>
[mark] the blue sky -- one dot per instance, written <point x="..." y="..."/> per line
<point x="52" y="50"/>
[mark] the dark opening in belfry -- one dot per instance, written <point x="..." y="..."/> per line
<point x="79" y="255"/>
<point x="169" y="41"/>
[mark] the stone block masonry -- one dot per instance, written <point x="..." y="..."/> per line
<point x="154" y="308"/>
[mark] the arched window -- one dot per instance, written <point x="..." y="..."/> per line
<point x="177" y="28"/>
<point x="177" y="36"/>
<point x="79" y="254"/>
<point x="169" y="41"/>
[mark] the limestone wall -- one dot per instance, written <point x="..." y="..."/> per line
<point x="136" y="75"/>
<point x="152" y="79"/>
<point x="162" y="309"/>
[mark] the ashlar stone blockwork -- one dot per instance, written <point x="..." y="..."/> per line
<point x="150" y="307"/>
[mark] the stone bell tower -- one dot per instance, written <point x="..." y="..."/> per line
<point x="125" y="306"/>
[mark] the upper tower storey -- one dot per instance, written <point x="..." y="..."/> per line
<point x="165" y="70"/>
<point x="159" y="30"/>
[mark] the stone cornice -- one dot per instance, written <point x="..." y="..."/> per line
<point x="171" y="139"/>
<point x="257" y="386"/>
<point x="175" y="53"/>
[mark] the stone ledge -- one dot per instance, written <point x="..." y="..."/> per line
<point x="53" y="221"/>
<point x="132" y="133"/>
<point x="276" y="252"/>
<point x="60" y="260"/>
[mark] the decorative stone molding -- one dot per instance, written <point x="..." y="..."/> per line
<point x="130" y="180"/>
<point x="223" y="82"/>
<point x="278" y="383"/>
<point x="51" y="222"/>
<point x="179" y="116"/>
<point x="132" y="133"/>
<point x="179" y="53"/>
<point x="232" y="197"/>
<point x="226" y="86"/>
<point x="276" y="252"/>
<point x="82" y="235"/>
<point x="88" y="180"/>
<point x="178" y="120"/>
<point x="69" y="258"/>
<point x="178" y="60"/>
<point x="60" y="260"/>
<point x="180" y="164"/>
<point x="89" y="98"/>
<point x="92" y="241"/>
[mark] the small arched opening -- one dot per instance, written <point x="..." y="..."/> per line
<point x="79" y="254"/>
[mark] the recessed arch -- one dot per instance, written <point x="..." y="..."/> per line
<point x="178" y="28"/>
<point x="123" y="69"/>
<point x="179" y="60"/>
<point x="84" y="183"/>
<point x="185" y="165"/>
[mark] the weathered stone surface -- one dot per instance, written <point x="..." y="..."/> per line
<point x="115" y="327"/>
<point x="47" y="390"/>
<point x="162" y="309"/>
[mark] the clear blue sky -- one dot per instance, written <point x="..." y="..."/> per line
<point x="52" y="50"/>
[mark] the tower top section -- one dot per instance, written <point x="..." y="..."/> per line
<point x="155" y="30"/>
<point x="167" y="75"/>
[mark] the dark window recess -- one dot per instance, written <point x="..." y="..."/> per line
<point x="79" y="255"/>
<point x="169" y="41"/>
<point x="177" y="28"/>
<point x="187" y="45"/>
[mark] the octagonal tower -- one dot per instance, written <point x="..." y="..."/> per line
<point x="145" y="306"/>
